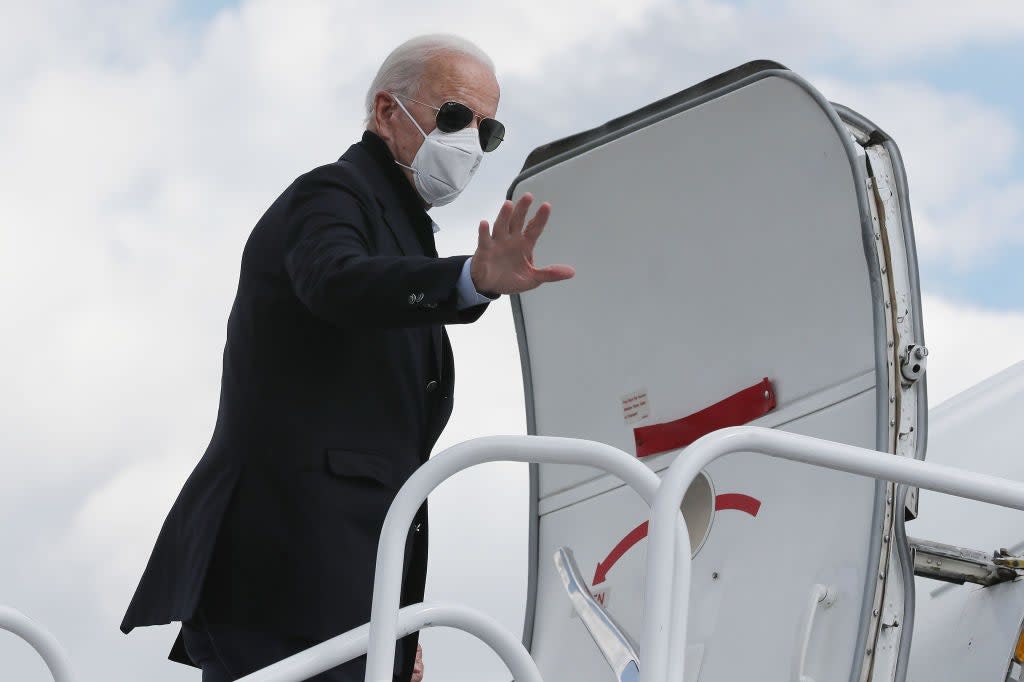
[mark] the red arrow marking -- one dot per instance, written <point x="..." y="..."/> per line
<point x="738" y="501"/>
<point x="632" y="537"/>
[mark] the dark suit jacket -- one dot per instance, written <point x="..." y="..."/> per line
<point x="337" y="381"/>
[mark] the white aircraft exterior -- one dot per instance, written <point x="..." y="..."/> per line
<point x="971" y="632"/>
<point x="745" y="254"/>
<point x="743" y="241"/>
<point x="745" y="257"/>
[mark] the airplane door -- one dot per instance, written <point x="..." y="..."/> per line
<point x="744" y="255"/>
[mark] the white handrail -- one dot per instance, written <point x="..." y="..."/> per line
<point x="45" y="644"/>
<point x="821" y="594"/>
<point x="347" y="646"/>
<point x="669" y="570"/>
<point x="391" y="548"/>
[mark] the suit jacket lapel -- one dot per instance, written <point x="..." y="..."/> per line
<point x="409" y="243"/>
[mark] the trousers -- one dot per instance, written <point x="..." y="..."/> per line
<point x="228" y="652"/>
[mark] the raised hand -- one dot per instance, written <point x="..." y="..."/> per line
<point x="503" y="262"/>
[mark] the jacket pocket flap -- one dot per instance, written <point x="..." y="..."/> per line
<point x="358" y="464"/>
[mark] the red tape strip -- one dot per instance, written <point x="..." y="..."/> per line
<point x="739" y="408"/>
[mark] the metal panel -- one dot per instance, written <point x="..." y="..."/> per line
<point x="966" y="627"/>
<point x="741" y="275"/>
<point x="969" y="633"/>
<point x="751" y="577"/>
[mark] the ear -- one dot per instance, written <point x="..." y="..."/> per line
<point x="384" y="111"/>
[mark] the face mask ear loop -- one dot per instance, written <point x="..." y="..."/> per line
<point x="402" y="107"/>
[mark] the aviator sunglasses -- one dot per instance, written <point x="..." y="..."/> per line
<point x="452" y="116"/>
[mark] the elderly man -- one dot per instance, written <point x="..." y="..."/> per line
<point x="337" y="378"/>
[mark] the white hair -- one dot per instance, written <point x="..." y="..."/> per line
<point x="403" y="69"/>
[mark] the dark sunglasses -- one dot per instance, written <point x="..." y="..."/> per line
<point x="452" y="116"/>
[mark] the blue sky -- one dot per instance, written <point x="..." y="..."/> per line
<point x="997" y="283"/>
<point x="196" y="12"/>
<point x="989" y="72"/>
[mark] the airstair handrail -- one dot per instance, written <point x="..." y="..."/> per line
<point x="391" y="548"/>
<point x="41" y="639"/>
<point x="669" y="569"/>
<point x="345" y="647"/>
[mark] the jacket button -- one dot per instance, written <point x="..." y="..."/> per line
<point x="416" y="528"/>
<point x="431" y="386"/>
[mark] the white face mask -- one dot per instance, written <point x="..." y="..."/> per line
<point x="445" y="162"/>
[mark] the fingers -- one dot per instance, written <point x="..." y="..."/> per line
<point x="501" y="222"/>
<point x="536" y="225"/>
<point x="483" y="235"/>
<point x="515" y="225"/>
<point x="506" y="250"/>
<point x="511" y="218"/>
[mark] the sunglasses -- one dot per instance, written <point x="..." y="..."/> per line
<point x="453" y="116"/>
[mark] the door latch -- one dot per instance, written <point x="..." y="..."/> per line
<point x="913" y="363"/>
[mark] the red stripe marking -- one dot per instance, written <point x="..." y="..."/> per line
<point x="738" y="501"/>
<point x="739" y="408"/>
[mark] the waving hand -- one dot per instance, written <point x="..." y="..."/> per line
<point x="503" y="262"/>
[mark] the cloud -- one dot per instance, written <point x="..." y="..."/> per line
<point x="963" y="164"/>
<point x="967" y="343"/>
<point x="881" y="31"/>
<point x="141" y="149"/>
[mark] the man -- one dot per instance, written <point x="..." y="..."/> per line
<point x="337" y="378"/>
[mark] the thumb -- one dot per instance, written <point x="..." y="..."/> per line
<point x="554" y="273"/>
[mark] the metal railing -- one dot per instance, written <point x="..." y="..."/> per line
<point x="347" y="646"/>
<point x="665" y="620"/>
<point x="388" y="623"/>
<point x="668" y="553"/>
<point x="669" y="558"/>
<point x="41" y="639"/>
<point x="542" y="449"/>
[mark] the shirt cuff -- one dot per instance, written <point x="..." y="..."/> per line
<point x="468" y="296"/>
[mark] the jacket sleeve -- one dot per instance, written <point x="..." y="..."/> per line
<point x="327" y="258"/>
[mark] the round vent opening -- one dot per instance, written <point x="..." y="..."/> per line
<point x="698" y="509"/>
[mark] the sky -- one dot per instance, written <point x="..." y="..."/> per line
<point x="143" y="140"/>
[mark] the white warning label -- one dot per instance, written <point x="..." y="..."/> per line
<point x="635" y="407"/>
